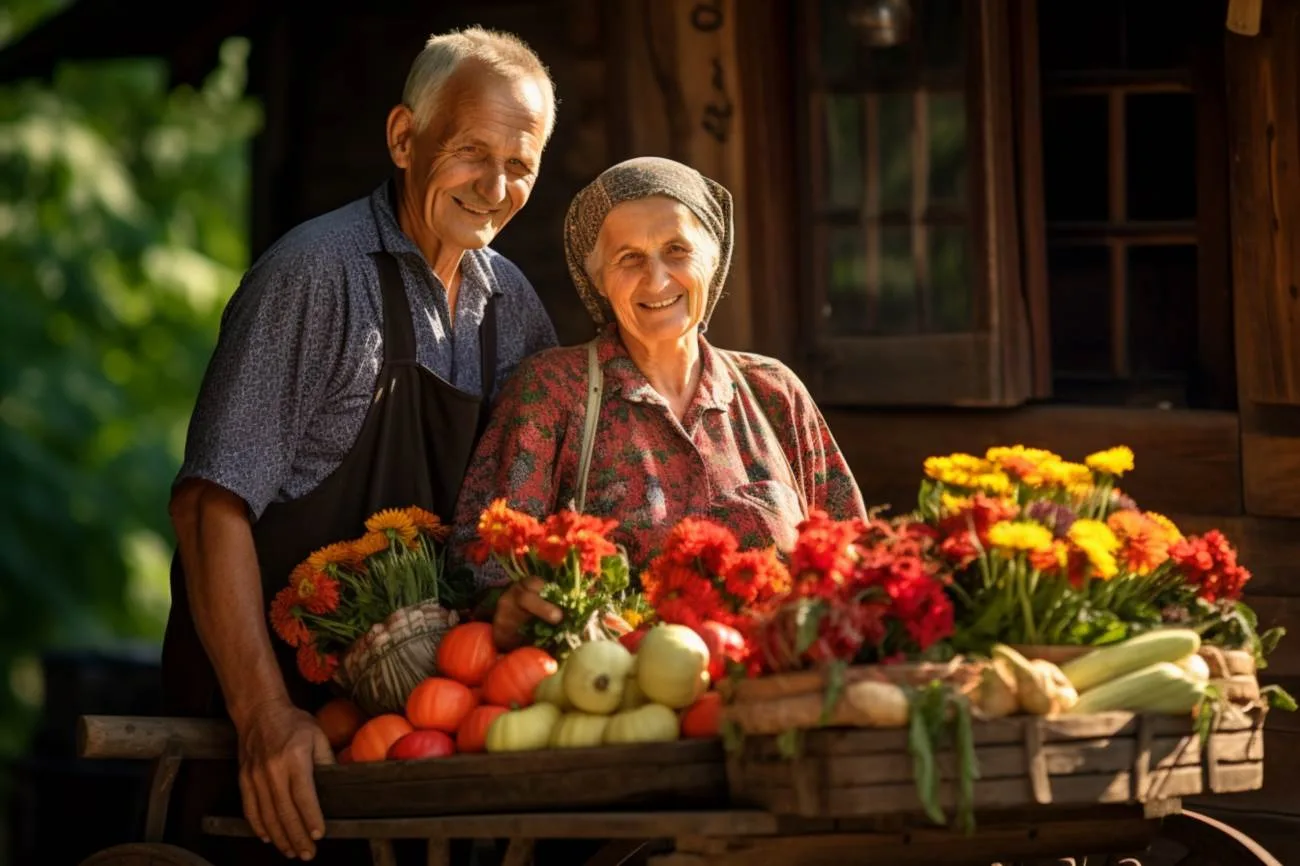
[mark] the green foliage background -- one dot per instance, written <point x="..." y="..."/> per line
<point x="122" y="234"/>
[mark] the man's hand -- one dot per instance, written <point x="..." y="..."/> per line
<point x="517" y="605"/>
<point x="279" y="745"/>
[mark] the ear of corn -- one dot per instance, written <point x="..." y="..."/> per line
<point x="1161" y="687"/>
<point x="1108" y="663"/>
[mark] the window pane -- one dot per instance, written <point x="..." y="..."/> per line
<point x="1161" y="139"/>
<point x="950" y="282"/>
<point x="1079" y="279"/>
<point x="899" y="310"/>
<point x="1161" y="34"/>
<point x="947" y="121"/>
<point x="844" y="151"/>
<point x="894" y="138"/>
<point x="1162" y="309"/>
<point x="847" y="309"/>
<point x="1075" y="162"/>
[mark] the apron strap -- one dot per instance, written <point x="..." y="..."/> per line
<point x="743" y="382"/>
<point x="399" y="332"/>
<point x="595" y="387"/>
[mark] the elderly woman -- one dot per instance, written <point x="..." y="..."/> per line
<point x="673" y="426"/>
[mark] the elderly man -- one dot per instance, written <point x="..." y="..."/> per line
<point x="313" y="415"/>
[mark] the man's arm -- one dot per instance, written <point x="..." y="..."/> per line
<point x="279" y="743"/>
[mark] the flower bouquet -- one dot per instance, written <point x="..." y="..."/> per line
<point x="584" y="573"/>
<point x="368" y="614"/>
<point x="1051" y="552"/>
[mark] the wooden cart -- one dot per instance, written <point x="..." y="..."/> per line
<point x="640" y="824"/>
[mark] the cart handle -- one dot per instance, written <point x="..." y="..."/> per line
<point x="148" y="737"/>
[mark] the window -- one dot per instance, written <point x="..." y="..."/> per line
<point x="913" y="239"/>
<point x="1134" y="200"/>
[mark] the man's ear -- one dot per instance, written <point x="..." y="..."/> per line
<point x="401" y="133"/>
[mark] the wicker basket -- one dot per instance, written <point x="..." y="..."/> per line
<point x="381" y="669"/>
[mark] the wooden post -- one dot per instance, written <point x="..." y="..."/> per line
<point x="1263" y="86"/>
<point x="681" y="81"/>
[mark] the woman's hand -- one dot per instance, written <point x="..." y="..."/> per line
<point x="517" y="605"/>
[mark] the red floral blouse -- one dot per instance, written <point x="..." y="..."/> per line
<point x="648" y="471"/>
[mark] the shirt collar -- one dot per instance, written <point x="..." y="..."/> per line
<point x="475" y="275"/>
<point x="714" y="392"/>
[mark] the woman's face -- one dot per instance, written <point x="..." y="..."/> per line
<point x="653" y="263"/>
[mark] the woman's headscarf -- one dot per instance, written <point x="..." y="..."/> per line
<point x="635" y="179"/>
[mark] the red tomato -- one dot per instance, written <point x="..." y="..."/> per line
<point x="422" y="744"/>
<point x="724" y="643"/>
<point x="703" y="719"/>
<point x="632" y="639"/>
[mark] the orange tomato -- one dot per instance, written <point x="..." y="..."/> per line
<point x="467" y="653"/>
<point x="340" y="719"/>
<point x="377" y="736"/>
<point x="703" y="719"/>
<point x="473" y="731"/>
<point x="439" y="704"/>
<point x="514" y="678"/>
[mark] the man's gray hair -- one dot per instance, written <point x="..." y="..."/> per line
<point x="504" y="53"/>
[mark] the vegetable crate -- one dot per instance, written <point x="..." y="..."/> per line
<point x="1022" y="761"/>
<point x="680" y="774"/>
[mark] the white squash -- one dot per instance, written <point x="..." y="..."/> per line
<point x="652" y="723"/>
<point x="595" y="674"/>
<point x="673" y="665"/>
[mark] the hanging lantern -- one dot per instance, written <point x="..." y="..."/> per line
<point x="881" y="23"/>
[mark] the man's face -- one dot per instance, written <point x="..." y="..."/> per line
<point x="473" y="166"/>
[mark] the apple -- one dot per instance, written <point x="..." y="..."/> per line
<point x="724" y="643"/>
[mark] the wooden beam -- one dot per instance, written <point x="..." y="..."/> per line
<point x="1187" y="461"/>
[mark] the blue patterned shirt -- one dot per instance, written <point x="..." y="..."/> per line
<point x="301" y="344"/>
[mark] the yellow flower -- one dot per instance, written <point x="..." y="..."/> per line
<point x="1020" y="535"/>
<point x="393" y="522"/>
<point x="952" y="504"/>
<point x="1098" y="543"/>
<point x="968" y="471"/>
<point x="1021" y="462"/>
<point x="1113" y="461"/>
<point x="632" y="617"/>
<point x="1166" y="524"/>
<point x="1064" y="474"/>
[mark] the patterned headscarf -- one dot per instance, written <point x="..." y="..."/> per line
<point x="637" y="179"/>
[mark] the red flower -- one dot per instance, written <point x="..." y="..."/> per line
<point x="824" y="555"/>
<point x="285" y="620"/>
<point x="316" y="591"/>
<point x="696" y="540"/>
<point x="967" y="531"/>
<point x="1209" y="563"/>
<point x="316" y="667"/>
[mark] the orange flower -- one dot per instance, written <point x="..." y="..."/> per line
<point x="428" y="523"/>
<point x="395" y="523"/>
<point x="507" y="533"/>
<point x="317" y="591"/>
<point x="369" y="544"/>
<point x="1144" y="543"/>
<point x="569" y="531"/>
<point x="338" y="553"/>
<point x="284" y="618"/>
<point x="316" y="667"/>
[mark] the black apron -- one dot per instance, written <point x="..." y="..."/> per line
<point x="413" y="449"/>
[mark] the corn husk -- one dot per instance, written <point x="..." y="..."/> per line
<point x="380" y="670"/>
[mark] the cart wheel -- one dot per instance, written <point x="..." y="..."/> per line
<point x="144" y="854"/>
<point x="1193" y="839"/>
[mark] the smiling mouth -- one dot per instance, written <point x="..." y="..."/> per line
<point x="478" y="212"/>
<point x="661" y="305"/>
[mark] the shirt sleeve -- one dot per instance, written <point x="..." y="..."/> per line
<point x="516" y="459"/>
<point x="528" y="316"/>
<point x="280" y="338"/>
<point x="827" y="479"/>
